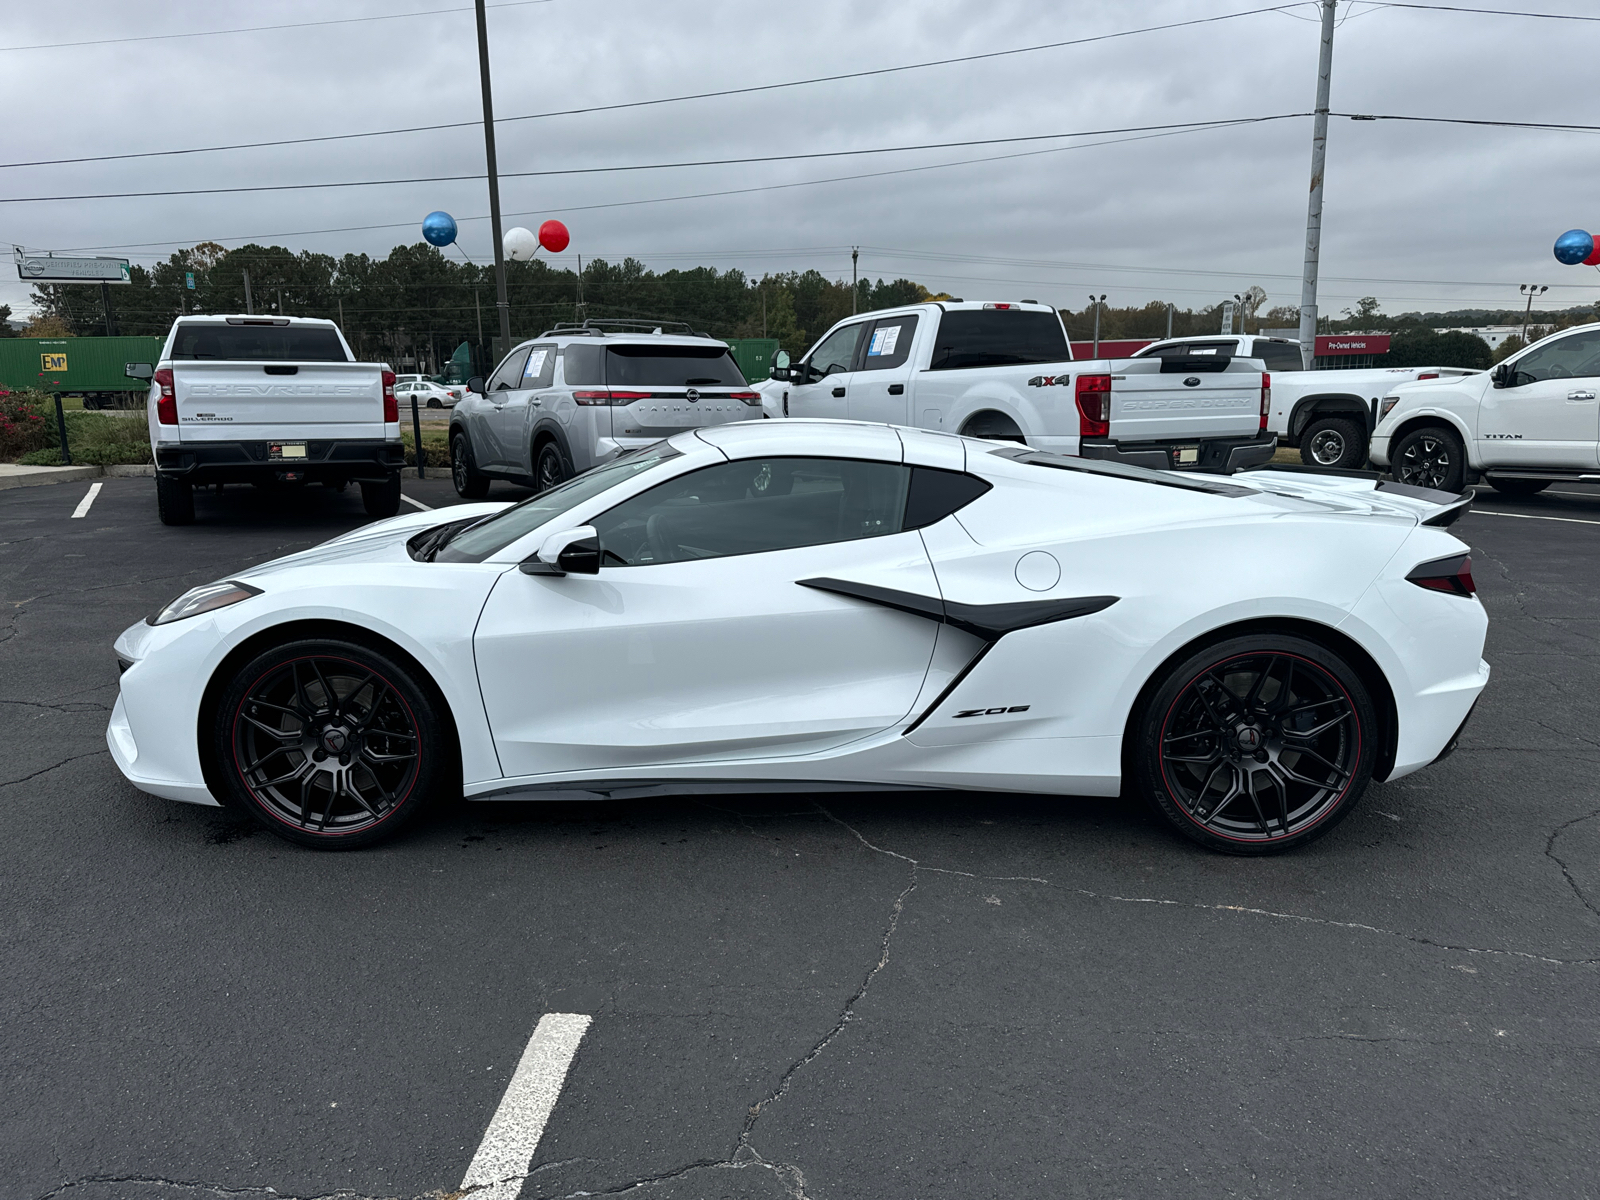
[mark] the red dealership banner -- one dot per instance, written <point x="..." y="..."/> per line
<point x="1353" y="343"/>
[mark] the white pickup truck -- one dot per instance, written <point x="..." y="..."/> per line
<point x="1532" y="421"/>
<point x="1005" y="371"/>
<point x="1329" y="415"/>
<point x="269" y="400"/>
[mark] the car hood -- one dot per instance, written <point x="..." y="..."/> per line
<point x="382" y="541"/>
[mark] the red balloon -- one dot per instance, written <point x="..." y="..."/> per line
<point x="553" y="236"/>
<point x="1594" y="259"/>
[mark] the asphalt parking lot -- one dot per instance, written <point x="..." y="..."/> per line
<point x="840" y="997"/>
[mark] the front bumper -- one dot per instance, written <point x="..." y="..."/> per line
<point x="372" y="460"/>
<point x="1378" y="450"/>
<point x="1215" y="456"/>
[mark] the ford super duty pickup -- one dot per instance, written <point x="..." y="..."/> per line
<point x="269" y="400"/>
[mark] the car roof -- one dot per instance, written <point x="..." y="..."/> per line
<point x="624" y="339"/>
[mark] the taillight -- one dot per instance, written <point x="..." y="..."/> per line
<point x="1002" y="306"/>
<point x="391" y="406"/>
<point x="1453" y="575"/>
<point x="1094" y="405"/>
<point x="751" y="398"/>
<point x="599" y="397"/>
<point x="167" y="402"/>
<point x="1427" y="375"/>
<point x="1266" y="400"/>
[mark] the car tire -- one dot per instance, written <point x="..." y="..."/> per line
<point x="549" y="467"/>
<point x="1255" y="745"/>
<point x="329" y="743"/>
<point x="381" y="499"/>
<point x="1333" y="442"/>
<point x="464" y="473"/>
<point x="434" y="403"/>
<point x="174" y="500"/>
<point x="1519" y="487"/>
<point x="1430" y="457"/>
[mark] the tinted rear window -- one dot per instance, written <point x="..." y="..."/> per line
<point x="258" y="343"/>
<point x="672" y="366"/>
<point x="1279" y="356"/>
<point x="998" y="338"/>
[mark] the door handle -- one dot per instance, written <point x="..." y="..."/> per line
<point x="1580" y="395"/>
<point x="897" y="389"/>
<point x="838" y="393"/>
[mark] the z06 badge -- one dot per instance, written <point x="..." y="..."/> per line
<point x="990" y="712"/>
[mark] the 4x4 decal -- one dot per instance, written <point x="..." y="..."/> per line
<point x="1050" y="381"/>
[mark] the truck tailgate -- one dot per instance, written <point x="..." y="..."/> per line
<point x="239" y="401"/>
<point x="1152" y="405"/>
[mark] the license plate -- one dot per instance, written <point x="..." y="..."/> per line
<point x="1186" y="456"/>
<point x="278" y="451"/>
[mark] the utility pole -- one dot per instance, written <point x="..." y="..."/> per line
<point x="341" y="312"/>
<point x="1319" y="154"/>
<point x="249" y="308"/>
<point x="501" y="302"/>
<point x="855" y="253"/>
<point x="763" y="312"/>
<point x="1530" y="290"/>
<point x="105" y="298"/>
<point x="1097" y="301"/>
<point x="1169" y="319"/>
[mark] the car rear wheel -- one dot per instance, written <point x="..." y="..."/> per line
<point x="470" y="484"/>
<point x="328" y="743"/>
<point x="434" y="403"/>
<point x="1431" y="457"/>
<point x="174" y="501"/>
<point x="1333" y="442"/>
<point x="1256" y="745"/>
<point x="381" y="499"/>
<point x="550" y="469"/>
<point x="1519" y="487"/>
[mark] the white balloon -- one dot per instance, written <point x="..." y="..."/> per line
<point x="520" y="244"/>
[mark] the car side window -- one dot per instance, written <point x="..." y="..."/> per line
<point x="1192" y="349"/>
<point x="582" y="365"/>
<point x="540" y="370"/>
<point x="509" y="373"/>
<point x="754" y="505"/>
<point x="889" y="343"/>
<point x="1278" y="356"/>
<point x="836" y="351"/>
<point x="1574" y="357"/>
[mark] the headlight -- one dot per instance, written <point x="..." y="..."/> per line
<point x="1388" y="406"/>
<point x="203" y="600"/>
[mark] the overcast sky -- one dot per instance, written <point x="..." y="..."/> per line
<point x="1421" y="216"/>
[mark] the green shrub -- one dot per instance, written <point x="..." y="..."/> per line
<point x="23" y="424"/>
<point x="96" y="439"/>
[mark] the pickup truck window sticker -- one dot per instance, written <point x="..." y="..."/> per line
<point x="883" y="341"/>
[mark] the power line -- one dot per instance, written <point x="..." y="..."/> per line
<point x="601" y="108"/>
<point x="163" y="37"/>
<point x="709" y="162"/>
<point x="1560" y="127"/>
<point x="1493" y="12"/>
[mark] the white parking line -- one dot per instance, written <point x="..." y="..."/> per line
<point x="416" y="503"/>
<point x="504" y="1155"/>
<point x="1489" y="512"/>
<point x="83" y="505"/>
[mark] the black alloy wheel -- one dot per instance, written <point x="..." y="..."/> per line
<point x="1257" y="745"/>
<point x="550" y="469"/>
<point x="1519" y="487"/>
<point x="1333" y="442"/>
<point x="469" y="483"/>
<point x="328" y="744"/>
<point x="1432" y="457"/>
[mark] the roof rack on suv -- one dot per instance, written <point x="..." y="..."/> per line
<point x="600" y="326"/>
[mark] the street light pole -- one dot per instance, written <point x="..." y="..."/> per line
<point x="1319" y="153"/>
<point x="1097" y="301"/>
<point x="855" y="253"/>
<point x="1530" y="290"/>
<point x="501" y="302"/>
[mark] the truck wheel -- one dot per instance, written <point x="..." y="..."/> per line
<point x="1333" y="442"/>
<point x="1430" y="457"/>
<point x="549" y="468"/>
<point x="174" y="500"/>
<point x="381" y="499"/>
<point x="470" y="485"/>
<point x="1519" y="487"/>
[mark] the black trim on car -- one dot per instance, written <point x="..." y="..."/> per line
<point x="1120" y="470"/>
<point x="224" y="462"/>
<point x="991" y="622"/>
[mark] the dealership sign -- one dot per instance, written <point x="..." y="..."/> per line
<point x="1353" y="343"/>
<point x="52" y="268"/>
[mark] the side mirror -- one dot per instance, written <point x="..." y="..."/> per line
<point x="475" y="384"/>
<point x="570" y="552"/>
<point x="139" y="371"/>
<point x="780" y="365"/>
<point x="1501" y="375"/>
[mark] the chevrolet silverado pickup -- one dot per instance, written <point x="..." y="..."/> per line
<point x="269" y="400"/>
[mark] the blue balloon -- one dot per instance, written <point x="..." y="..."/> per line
<point x="439" y="228"/>
<point x="1573" y="246"/>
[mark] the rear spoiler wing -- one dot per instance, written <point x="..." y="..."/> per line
<point x="1452" y="505"/>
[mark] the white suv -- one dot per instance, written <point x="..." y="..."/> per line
<point x="579" y="395"/>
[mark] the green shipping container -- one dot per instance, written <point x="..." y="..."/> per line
<point x="754" y="356"/>
<point x="91" y="367"/>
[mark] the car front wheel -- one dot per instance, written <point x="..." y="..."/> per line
<point x="328" y="743"/>
<point x="1431" y="457"/>
<point x="1256" y="745"/>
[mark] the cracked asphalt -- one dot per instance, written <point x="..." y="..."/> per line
<point x="830" y="997"/>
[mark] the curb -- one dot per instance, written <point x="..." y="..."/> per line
<point x="43" y="475"/>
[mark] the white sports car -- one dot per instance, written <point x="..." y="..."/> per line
<point x="814" y="605"/>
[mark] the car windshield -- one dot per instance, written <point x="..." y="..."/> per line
<point x="497" y="532"/>
<point x="672" y="366"/>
